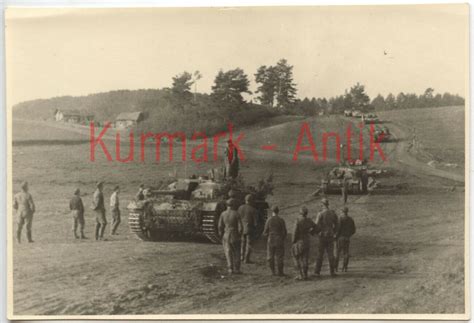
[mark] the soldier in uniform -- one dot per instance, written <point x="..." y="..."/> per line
<point x="99" y="208"/>
<point x="301" y="242"/>
<point x="77" y="211"/>
<point x="275" y="231"/>
<point x="231" y="161"/>
<point x="115" y="210"/>
<point x="140" y="196"/>
<point x="248" y="215"/>
<point x="345" y="189"/>
<point x="346" y="230"/>
<point x="230" y="229"/>
<point x="327" y="223"/>
<point x="364" y="178"/>
<point x="25" y="208"/>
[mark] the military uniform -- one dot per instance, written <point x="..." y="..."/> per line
<point x="231" y="162"/>
<point x="304" y="227"/>
<point x="77" y="211"/>
<point x="230" y="228"/>
<point x="248" y="215"/>
<point x="99" y="209"/>
<point x="25" y="207"/>
<point x="115" y="210"/>
<point x="275" y="230"/>
<point x="345" y="190"/>
<point x="346" y="230"/>
<point x="327" y="223"/>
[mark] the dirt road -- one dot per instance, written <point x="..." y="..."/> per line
<point x="407" y="254"/>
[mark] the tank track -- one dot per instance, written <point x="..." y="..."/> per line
<point x="209" y="227"/>
<point x="135" y="223"/>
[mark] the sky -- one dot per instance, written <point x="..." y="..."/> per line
<point x="389" y="49"/>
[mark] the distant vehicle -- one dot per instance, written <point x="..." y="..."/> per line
<point x="382" y="135"/>
<point x="357" y="114"/>
<point x="348" y="113"/>
<point x="334" y="180"/>
<point x="371" y="118"/>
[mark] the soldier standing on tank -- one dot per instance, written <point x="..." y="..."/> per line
<point x="327" y="223"/>
<point x="140" y="196"/>
<point x="115" y="210"/>
<point x="275" y="230"/>
<point x="230" y="229"/>
<point x="25" y="208"/>
<point x="77" y="211"/>
<point x="248" y="215"/>
<point x="304" y="227"/>
<point x="346" y="231"/>
<point x="231" y="160"/>
<point x="99" y="208"/>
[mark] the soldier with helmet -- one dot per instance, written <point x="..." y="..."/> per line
<point x="98" y="206"/>
<point x="327" y="223"/>
<point x="275" y="231"/>
<point x="230" y="229"/>
<point x="77" y="210"/>
<point x="304" y="227"/>
<point x="249" y="215"/>
<point x="346" y="231"/>
<point x="25" y="208"/>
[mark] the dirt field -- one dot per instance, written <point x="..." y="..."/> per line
<point x="407" y="254"/>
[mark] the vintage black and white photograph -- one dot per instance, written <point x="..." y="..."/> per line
<point x="238" y="162"/>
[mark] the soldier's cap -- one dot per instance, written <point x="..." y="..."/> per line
<point x="325" y="202"/>
<point x="303" y="210"/>
<point x="276" y="209"/>
<point x="141" y="186"/>
<point x="232" y="193"/>
<point x="77" y="191"/>
<point x="249" y="198"/>
<point x="24" y="185"/>
<point x="345" y="209"/>
<point x="100" y="183"/>
<point x="116" y="188"/>
<point x="231" y="202"/>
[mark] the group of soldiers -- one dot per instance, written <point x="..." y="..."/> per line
<point x="25" y="208"/>
<point x="237" y="226"/>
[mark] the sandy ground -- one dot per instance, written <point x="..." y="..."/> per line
<point x="407" y="255"/>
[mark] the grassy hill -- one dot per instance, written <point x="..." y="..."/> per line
<point x="165" y="112"/>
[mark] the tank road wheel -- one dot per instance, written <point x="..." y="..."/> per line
<point x="136" y="225"/>
<point x="210" y="221"/>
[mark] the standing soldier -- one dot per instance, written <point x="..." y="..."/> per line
<point x="115" y="210"/>
<point x="231" y="160"/>
<point x="346" y="230"/>
<point x="248" y="215"/>
<point x="275" y="230"/>
<point x="345" y="189"/>
<point x="301" y="242"/>
<point x="25" y="208"/>
<point x="327" y="223"/>
<point x="77" y="211"/>
<point x="230" y="229"/>
<point x="140" y="195"/>
<point x="99" y="207"/>
<point x="364" y="178"/>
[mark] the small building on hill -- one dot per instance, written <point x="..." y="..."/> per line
<point x="129" y="119"/>
<point x="73" y="116"/>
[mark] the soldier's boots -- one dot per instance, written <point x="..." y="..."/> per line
<point x="280" y="270"/>
<point x="28" y="235"/>
<point x="271" y="264"/>
<point x="18" y="237"/>
<point x="83" y="236"/>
